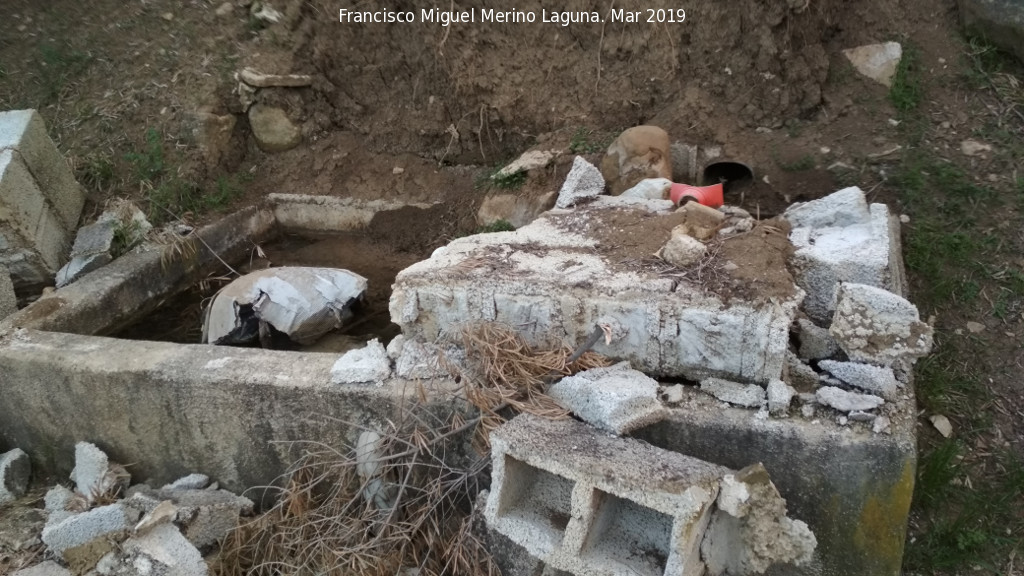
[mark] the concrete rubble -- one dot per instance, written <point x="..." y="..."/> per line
<point x="529" y="160"/>
<point x="369" y="364"/>
<point x="844" y="401"/>
<point x="204" y="516"/>
<point x="650" y="189"/>
<point x="15" y="471"/>
<point x="878" y="327"/>
<point x="617" y="398"/>
<point x="301" y="303"/>
<point x="47" y="568"/>
<point x="584" y="181"/>
<point x="586" y="504"/>
<point x="115" y="232"/>
<point x="840" y="238"/>
<point x="95" y="477"/>
<point x="815" y="342"/>
<point x="874" y="379"/>
<point x="682" y="250"/>
<point x="746" y="395"/>
<point x="780" y="396"/>
<point x="416" y="360"/>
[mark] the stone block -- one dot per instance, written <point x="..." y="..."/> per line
<point x="24" y="132"/>
<point x="15" y="471"/>
<point x="583" y="181"/>
<point x="617" y="398"/>
<point x="559" y="277"/>
<point x="878" y="327"/>
<point x="75" y="539"/>
<point x="166" y="552"/>
<point x="206" y="516"/>
<point x="48" y="568"/>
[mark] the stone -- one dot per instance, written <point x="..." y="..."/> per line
<point x="650" y="189"/>
<point x="205" y="516"/>
<point x="262" y="80"/>
<point x="224" y="9"/>
<point x="974" y="148"/>
<point x="364" y="365"/>
<point x="264" y="11"/>
<point x="530" y="160"/>
<point x="878" y="62"/>
<point x="780" y="395"/>
<point x="515" y="209"/>
<point x="617" y="398"/>
<point x="975" y="327"/>
<point x="847" y="401"/>
<point x="583" y="181"/>
<point x="213" y="134"/>
<point x="58" y="498"/>
<point x="273" y="130"/>
<point x="190" y="482"/>
<point x="942" y="424"/>
<point x="683" y="250"/>
<point x="165" y="552"/>
<point x="874" y="379"/>
<point x="675" y="394"/>
<point x="839" y="238"/>
<point x="94" y="475"/>
<point x="875" y="326"/>
<point x="638" y="153"/>
<point x="164" y="512"/>
<point x="15" y="472"/>
<point x="815" y="342"/>
<point x="416" y="360"/>
<point x="702" y="222"/>
<point x="47" y="568"/>
<point x="303" y="303"/>
<point x="999" y="22"/>
<point x="82" y="539"/>
<point x="8" y="300"/>
<point x="746" y="395"/>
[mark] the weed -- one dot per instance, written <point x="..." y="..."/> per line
<point x="805" y="163"/>
<point x="228" y="188"/>
<point x="496" y="226"/>
<point x="905" y="92"/>
<point x="57" y="65"/>
<point x="495" y="179"/>
<point x="96" y="172"/>
<point x="586" y="141"/>
<point x="149" y="164"/>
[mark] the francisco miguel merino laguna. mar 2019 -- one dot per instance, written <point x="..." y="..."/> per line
<point x="490" y="15"/>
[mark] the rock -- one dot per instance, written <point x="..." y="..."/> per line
<point x="47" y="568"/>
<point x="365" y="365"/>
<point x="974" y="148"/>
<point x="874" y="379"/>
<point x="8" y="300"/>
<point x="515" y="209"/>
<point x="815" y="342"/>
<point x="876" y="61"/>
<point x="95" y="476"/>
<point x="638" y="153"/>
<point x="15" y="471"/>
<point x="975" y="327"/>
<point x="190" y="482"/>
<point x="82" y="539"/>
<point x="273" y="130"/>
<point x="799" y="375"/>
<point x="617" y="398"/>
<point x="675" y="394"/>
<point x="683" y="250"/>
<point x="876" y="326"/>
<point x="583" y="181"/>
<point x="780" y="395"/>
<point x="57" y="499"/>
<point x="265" y="12"/>
<point x="701" y="221"/>
<point x="261" y="80"/>
<point x="376" y="490"/>
<point x="163" y="551"/>
<point x="213" y="133"/>
<point x="205" y="516"/>
<point x="117" y="230"/>
<point x="300" y="302"/>
<point x="746" y="395"/>
<point x="999" y="22"/>
<point x="847" y="401"/>
<point x="164" y="512"/>
<point x="415" y="359"/>
<point x="650" y="189"/>
<point x="224" y="9"/>
<point x="942" y="424"/>
<point x="530" y="160"/>
<point x="881" y="425"/>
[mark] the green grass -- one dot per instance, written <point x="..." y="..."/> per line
<point x="57" y="65"/>
<point x="496" y="226"/>
<point x="491" y="179"/>
<point x="96" y="172"/>
<point x="149" y="164"/>
<point x="906" y="91"/>
<point x="587" y="141"/>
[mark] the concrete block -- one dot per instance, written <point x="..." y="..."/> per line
<point x="875" y="379"/>
<point x="617" y="398"/>
<point x="746" y="395"/>
<point x="780" y="395"/>
<point x="190" y="482"/>
<point x="94" y="475"/>
<point x="815" y="342"/>
<point x="417" y="360"/>
<point x="583" y="181"/>
<point x="364" y="365"/>
<point x="48" y="568"/>
<point x="15" y="472"/>
<point x="58" y="498"/>
<point x="8" y="300"/>
<point x="24" y="132"/>
<point x="164" y="551"/>
<point x="556" y="279"/>
<point x="847" y="401"/>
<point x="878" y="327"/>
<point x="799" y="375"/>
<point x="205" y="516"/>
<point x="82" y="539"/>
<point x="587" y="503"/>
<point x="840" y="239"/>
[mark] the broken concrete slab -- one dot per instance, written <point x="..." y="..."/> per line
<point x="746" y="395"/>
<point x="205" y="516"/>
<point x="47" y="568"/>
<point x="163" y="550"/>
<point x="116" y="231"/>
<point x="875" y="326"/>
<point x="15" y="472"/>
<point x="560" y="276"/>
<point x="529" y="160"/>
<point x="369" y="364"/>
<point x="844" y="401"/>
<point x="815" y="342"/>
<point x="839" y="238"/>
<point x="415" y="360"/>
<point x="780" y="395"/>
<point x="617" y="398"/>
<point x="194" y="481"/>
<point x="82" y="539"/>
<point x="583" y="181"/>
<point x="303" y="303"/>
<point x="8" y="300"/>
<point x="875" y="379"/>
<point x="94" y="475"/>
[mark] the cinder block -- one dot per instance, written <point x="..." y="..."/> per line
<point x="587" y="503"/>
<point x="555" y="278"/>
<point x="25" y="132"/>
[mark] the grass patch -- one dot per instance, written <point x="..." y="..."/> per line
<point x="906" y="91"/>
<point x="149" y="164"/>
<point x="494" y="179"/>
<point x="57" y="65"/>
<point x="496" y="226"/>
<point x="96" y="172"/>
<point x="587" y="141"/>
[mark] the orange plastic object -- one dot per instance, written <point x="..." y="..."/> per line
<point x="710" y="196"/>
